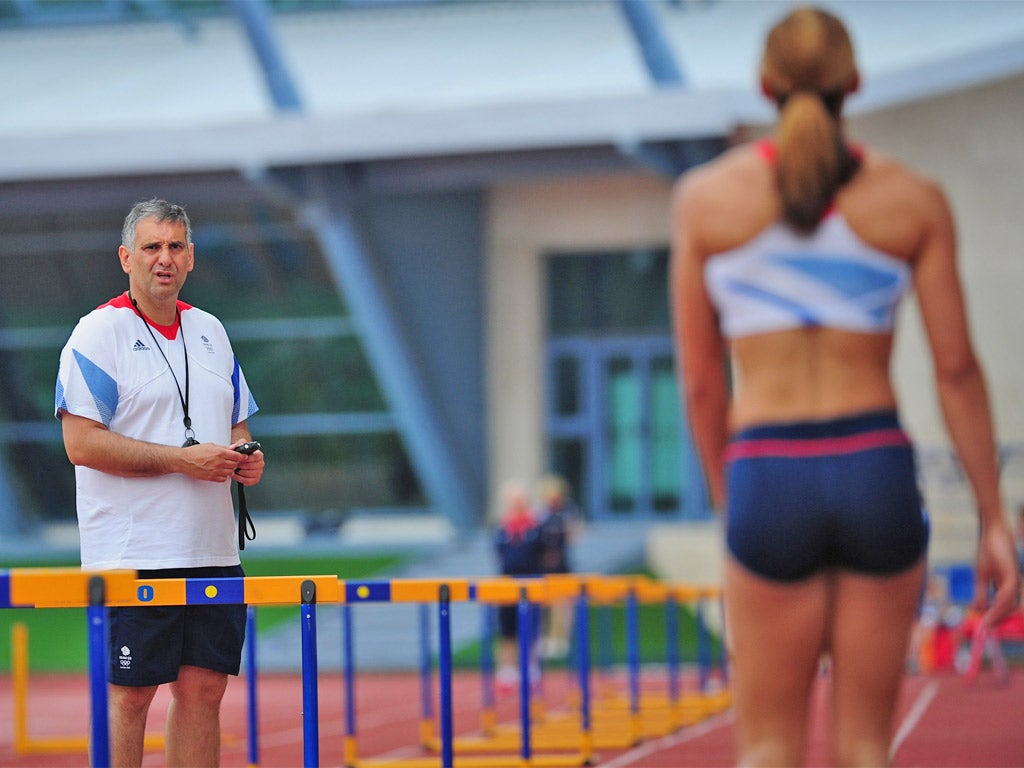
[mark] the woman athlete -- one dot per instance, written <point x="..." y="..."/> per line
<point x="789" y="258"/>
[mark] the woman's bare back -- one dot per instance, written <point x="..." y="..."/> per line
<point x="809" y="372"/>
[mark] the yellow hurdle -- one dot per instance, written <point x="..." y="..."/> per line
<point x="559" y="737"/>
<point x="24" y="742"/>
<point x="65" y="587"/>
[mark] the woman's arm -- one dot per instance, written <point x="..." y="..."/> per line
<point x="963" y="398"/>
<point x="700" y="348"/>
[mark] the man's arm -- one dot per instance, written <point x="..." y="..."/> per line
<point x="90" y="444"/>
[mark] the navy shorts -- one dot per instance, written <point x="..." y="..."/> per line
<point x="149" y="644"/>
<point x="811" y="496"/>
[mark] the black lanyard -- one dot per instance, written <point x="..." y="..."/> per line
<point x="190" y="436"/>
<point x="246" y="527"/>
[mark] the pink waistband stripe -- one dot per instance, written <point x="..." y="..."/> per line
<point x="819" y="446"/>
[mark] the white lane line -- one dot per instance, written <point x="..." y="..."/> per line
<point x="636" y="754"/>
<point x="924" y="700"/>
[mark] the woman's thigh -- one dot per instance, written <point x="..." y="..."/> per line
<point x="776" y="632"/>
<point x="872" y="622"/>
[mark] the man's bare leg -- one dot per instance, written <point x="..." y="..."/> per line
<point x="193" y="718"/>
<point x="128" y="707"/>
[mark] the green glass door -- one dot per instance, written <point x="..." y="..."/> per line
<point x="615" y="428"/>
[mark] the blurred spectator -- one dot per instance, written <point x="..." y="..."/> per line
<point x="518" y="547"/>
<point x="559" y="525"/>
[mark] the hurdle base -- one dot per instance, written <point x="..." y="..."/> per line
<point x="69" y="745"/>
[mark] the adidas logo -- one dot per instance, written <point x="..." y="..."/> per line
<point x="139" y="346"/>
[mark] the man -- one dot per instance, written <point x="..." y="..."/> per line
<point x="152" y="403"/>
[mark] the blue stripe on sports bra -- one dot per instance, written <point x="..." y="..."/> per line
<point x="782" y="279"/>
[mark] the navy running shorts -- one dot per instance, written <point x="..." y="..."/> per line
<point x="149" y="644"/>
<point x="811" y="496"/>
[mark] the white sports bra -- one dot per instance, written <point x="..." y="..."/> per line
<point x="782" y="279"/>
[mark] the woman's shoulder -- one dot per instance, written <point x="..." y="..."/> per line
<point x="731" y="167"/>
<point x="726" y="199"/>
<point x="881" y="171"/>
<point x="892" y="206"/>
<point x="887" y="181"/>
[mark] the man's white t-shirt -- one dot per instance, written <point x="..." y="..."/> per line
<point x="112" y="371"/>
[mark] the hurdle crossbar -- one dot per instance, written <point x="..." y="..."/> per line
<point x="96" y="591"/>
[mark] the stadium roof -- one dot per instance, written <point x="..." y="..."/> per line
<point x="402" y="80"/>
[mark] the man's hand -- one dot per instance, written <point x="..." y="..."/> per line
<point x="249" y="469"/>
<point x="209" y="461"/>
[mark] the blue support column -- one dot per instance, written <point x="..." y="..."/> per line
<point x="392" y="361"/>
<point x="258" y="22"/>
<point x="250" y="668"/>
<point x="487" y="622"/>
<point x="583" y="666"/>
<point x="673" y="157"/>
<point x="310" y="696"/>
<point x="524" y="630"/>
<point x="657" y="54"/>
<point x="445" y="675"/>
<point x="97" y="617"/>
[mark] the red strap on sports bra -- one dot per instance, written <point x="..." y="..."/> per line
<point x="769" y="152"/>
<point x="766" y="149"/>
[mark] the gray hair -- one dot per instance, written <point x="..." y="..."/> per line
<point x="157" y="209"/>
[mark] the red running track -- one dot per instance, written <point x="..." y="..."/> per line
<point x="942" y="722"/>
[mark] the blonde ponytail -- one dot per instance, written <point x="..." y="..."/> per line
<point x="808" y="68"/>
<point x="812" y="161"/>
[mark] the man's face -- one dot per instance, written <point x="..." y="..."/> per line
<point x="160" y="260"/>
